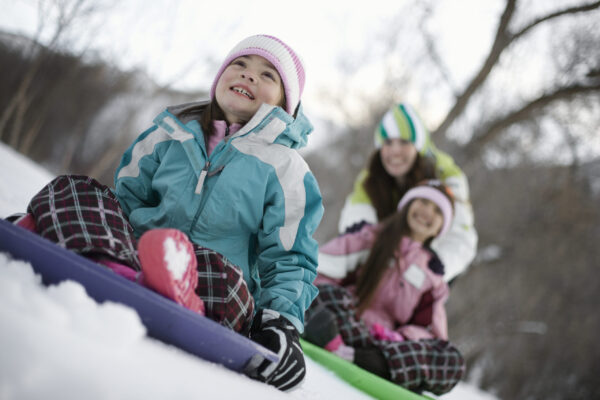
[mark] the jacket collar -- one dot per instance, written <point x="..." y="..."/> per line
<point x="291" y="132"/>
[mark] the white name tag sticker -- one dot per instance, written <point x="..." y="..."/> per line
<point x="415" y="276"/>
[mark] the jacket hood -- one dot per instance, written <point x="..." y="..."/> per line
<point x="295" y="135"/>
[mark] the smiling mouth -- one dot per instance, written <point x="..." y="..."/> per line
<point x="243" y="91"/>
<point x="396" y="161"/>
<point x="423" y="221"/>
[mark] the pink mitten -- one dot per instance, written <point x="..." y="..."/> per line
<point x="338" y="347"/>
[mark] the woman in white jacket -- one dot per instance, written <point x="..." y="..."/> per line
<point x="405" y="155"/>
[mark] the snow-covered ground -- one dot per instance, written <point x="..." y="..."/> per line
<point x="58" y="343"/>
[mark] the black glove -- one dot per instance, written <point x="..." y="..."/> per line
<point x="277" y="334"/>
<point x="357" y="226"/>
<point x="435" y="263"/>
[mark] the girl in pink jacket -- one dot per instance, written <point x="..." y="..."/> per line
<point x="380" y="306"/>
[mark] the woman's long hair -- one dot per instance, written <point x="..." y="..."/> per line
<point x="383" y="189"/>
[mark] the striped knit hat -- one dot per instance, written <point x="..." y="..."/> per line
<point x="435" y="191"/>
<point x="402" y="122"/>
<point x="287" y="63"/>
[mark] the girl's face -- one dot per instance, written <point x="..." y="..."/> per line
<point x="424" y="218"/>
<point x="247" y="83"/>
<point x="398" y="156"/>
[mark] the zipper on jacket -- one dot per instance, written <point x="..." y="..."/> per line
<point x="206" y="174"/>
<point x="203" y="174"/>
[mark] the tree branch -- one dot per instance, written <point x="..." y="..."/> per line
<point x="501" y="41"/>
<point x="492" y="130"/>
<point x="434" y="53"/>
<point x="566" y="11"/>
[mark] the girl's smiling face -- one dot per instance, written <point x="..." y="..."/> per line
<point x="424" y="218"/>
<point x="247" y="83"/>
<point x="398" y="157"/>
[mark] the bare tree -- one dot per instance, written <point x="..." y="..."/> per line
<point x="412" y="68"/>
<point x="511" y="313"/>
<point x="582" y="84"/>
<point x="66" y="13"/>
<point x="420" y="71"/>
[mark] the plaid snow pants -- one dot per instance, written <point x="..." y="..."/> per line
<point x="82" y="215"/>
<point x="433" y="365"/>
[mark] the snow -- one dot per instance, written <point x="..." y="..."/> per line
<point x="56" y="342"/>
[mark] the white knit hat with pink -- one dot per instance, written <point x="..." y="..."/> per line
<point x="287" y="63"/>
<point x="431" y="190"/>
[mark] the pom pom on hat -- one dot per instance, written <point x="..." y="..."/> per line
<point x="287" y="63"/>
<point x="432" y="190"/>
<point x="402" y="122"/>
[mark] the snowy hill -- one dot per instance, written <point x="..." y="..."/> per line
<point x="57" y="343"/>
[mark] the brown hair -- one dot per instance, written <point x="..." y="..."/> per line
<point x="370" y="272"/>
<point x="383" y="189"/>
<point x="211" y="113"/>
<point x="392" y="230"/>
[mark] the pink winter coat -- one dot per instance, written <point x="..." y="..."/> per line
<point x="410" y="297"/>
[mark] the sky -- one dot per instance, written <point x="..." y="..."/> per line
<point x="58" y="343"/>
<point x="182" y="42"/>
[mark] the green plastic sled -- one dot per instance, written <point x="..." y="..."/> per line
<point x="361" y="379"/>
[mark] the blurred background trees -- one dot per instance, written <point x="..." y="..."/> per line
<point x="61" y="104"/>
<point x="523" y="123"/>
<point x="524" y="126"/>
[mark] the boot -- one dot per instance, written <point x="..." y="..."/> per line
<point x="373" y="360"/>
<point x="169" y="266"/>
<point x="321" y="329"/>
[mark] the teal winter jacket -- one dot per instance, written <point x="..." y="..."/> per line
<point x="254" y="199"/>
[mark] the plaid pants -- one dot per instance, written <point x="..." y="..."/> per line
<point x="433" y="365"/>
<point x="84" y="216"/>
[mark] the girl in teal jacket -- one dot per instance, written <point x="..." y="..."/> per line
<point x="213" y="206"/>
<point x="252" y="199"/>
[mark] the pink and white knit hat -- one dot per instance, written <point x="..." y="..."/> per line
<point x="428" y="191"/>
<point x="287" y="63"/>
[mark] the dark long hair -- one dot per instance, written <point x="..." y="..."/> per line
<point x="383" y="189"/>
<point x="204" y="113"/>
<point x="393" y="229"/>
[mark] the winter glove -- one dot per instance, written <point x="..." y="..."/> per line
<point x="356" y="227"/>
<point x="435" y="264"/>
<point x="277" y="334"/>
